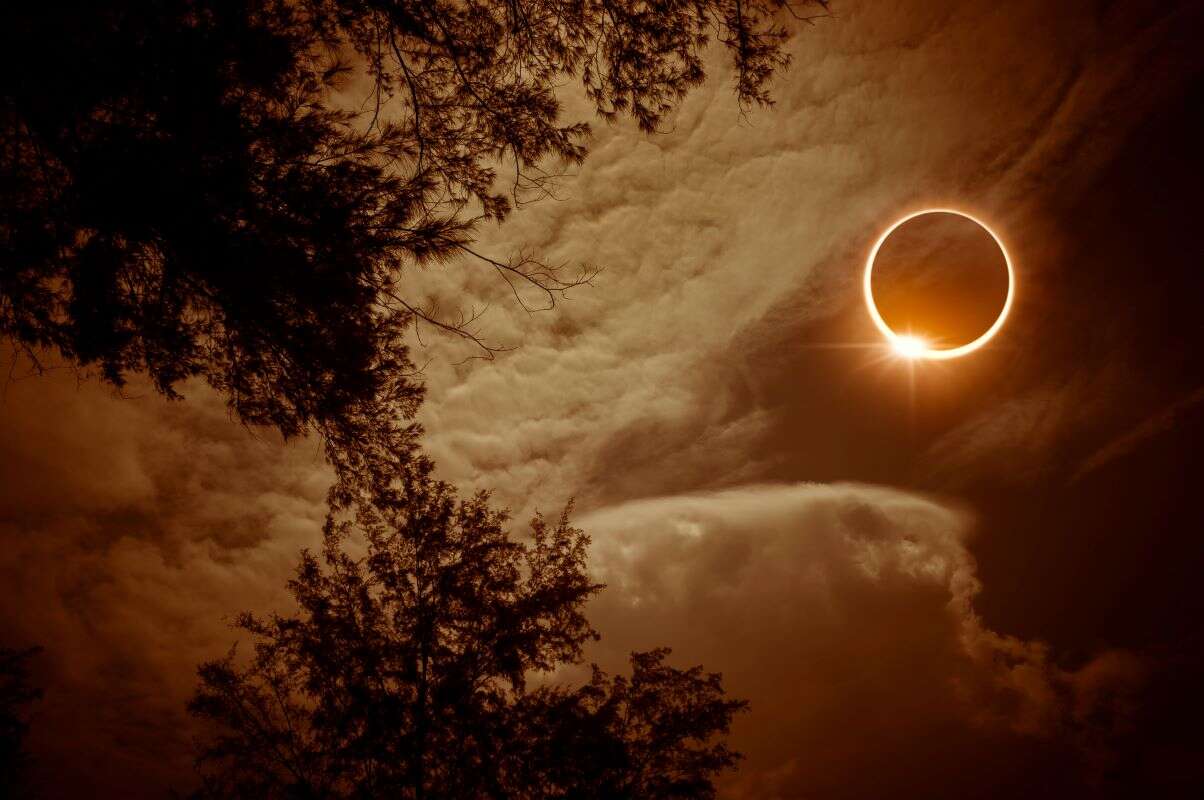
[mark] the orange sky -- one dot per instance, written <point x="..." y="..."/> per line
<point x="976" y="579"/>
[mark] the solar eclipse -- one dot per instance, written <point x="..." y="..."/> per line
<point x="938" y="284"/>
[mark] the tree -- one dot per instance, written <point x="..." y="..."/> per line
<point x="192" y="188"/>
<point x="420" y="668"/>
<point x="16" y="695"/>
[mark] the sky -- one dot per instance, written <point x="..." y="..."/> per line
<point x="934" y="579"/>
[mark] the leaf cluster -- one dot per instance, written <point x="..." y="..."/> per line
<point x="422" y="662"/>
<point x="237" y="191"/>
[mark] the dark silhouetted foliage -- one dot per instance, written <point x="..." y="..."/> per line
<point x="420" y="667"/>
<point x="236" y="190"/>
<point x="16" y="694"/>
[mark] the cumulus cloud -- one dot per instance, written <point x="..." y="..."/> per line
<point x="845" y="613"/>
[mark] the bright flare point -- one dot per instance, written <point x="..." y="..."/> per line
<point x="910" y="346"/>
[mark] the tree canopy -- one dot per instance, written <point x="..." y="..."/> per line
<point x="421" y="663"/>
<point x="235" y="191"/>
<point x="16" y="695"/>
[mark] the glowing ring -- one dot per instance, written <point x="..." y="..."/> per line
<point x="906" y="345"/>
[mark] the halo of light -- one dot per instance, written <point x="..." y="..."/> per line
<point x="909" y="346"/>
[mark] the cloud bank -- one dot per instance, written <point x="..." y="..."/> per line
<point x="845" y="614"/>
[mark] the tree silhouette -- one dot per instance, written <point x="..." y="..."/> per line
<point x="16" y="695"/>
<point x="418" y="668"/>
<point x="198" y="188"/>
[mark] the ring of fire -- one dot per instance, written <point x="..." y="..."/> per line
<point x="910" y="346"/>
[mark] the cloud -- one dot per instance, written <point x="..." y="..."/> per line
<point x="845" y="613"/>
<point x="728" y="232"/>
<point x="132" y="530"/>
<point x="1159" y="424"/>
